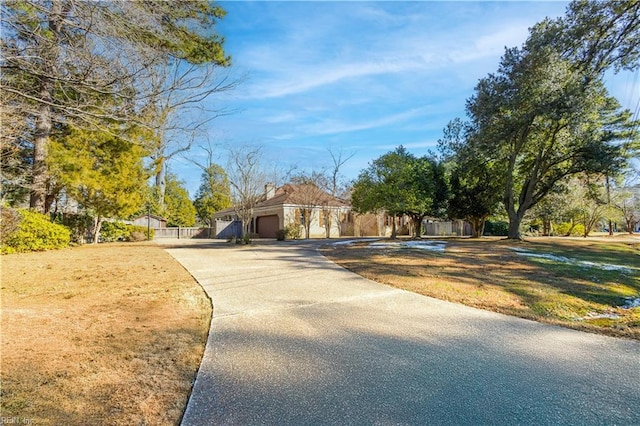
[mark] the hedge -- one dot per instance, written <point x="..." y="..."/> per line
<point x="31" y="231"/>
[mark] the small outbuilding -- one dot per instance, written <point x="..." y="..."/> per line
<point x="150" y="220"/>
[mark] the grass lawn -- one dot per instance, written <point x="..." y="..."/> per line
<point x="577" y="283"/>
<point x="108" y="334"/>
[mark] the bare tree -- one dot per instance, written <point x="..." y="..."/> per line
<point x="309" y="195"/>
<point x="337" y="187"/>
<point x="336" y="180"/>
<point x="177" y="115"/>
<point x="248" y="178"/>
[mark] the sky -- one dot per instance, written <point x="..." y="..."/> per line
<point x="359" y="77"/>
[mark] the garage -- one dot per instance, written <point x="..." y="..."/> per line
<point x="267" y="226"/>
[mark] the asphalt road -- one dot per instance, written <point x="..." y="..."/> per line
<point x="298" y="340"/>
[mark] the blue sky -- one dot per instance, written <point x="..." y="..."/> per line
<point x="363" y="77"/>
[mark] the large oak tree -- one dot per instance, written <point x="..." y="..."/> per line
<point x="545" y="114"/>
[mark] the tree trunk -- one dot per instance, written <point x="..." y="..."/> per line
<point x="416" y="226"/>
<point x="394" y="229"/>
<point x="327" y="222"/>
<point x="97" y="225"/>
<point x="43" y="119"/>
<point x="477" y="227"/>
<point x="515" y="219"/>
<point x="40" y="150"/>
<point x="161" y="182"/>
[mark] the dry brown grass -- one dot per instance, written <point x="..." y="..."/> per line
<point x="107" y="334"/>
<point x="488" y="274"/>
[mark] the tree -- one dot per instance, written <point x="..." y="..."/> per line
<point x="427" y="192"/>
<point x="545" y="114"/>
<point x="93" y="64"/>
<point x="594" y="203"/>
<point x="103" y="173"/>
<point x="248" y="178"/>
<point x="382" y="186"/>
<point x="474" y="187"/>
<point x="213" y="194"/>
<point x="178" y="116"/>
<point x="15" y="152"/>
<point x="551" y="209"/>
<point x="178" y="208"/>
<point x="310" y="196"/>
<point x="627" y="202"/>
<point x="474" y="196"/>
<point x="336" y="187"/>
<point x="399" y="183"/>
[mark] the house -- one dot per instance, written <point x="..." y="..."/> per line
<point x="294" y="205"/>
<point x="291" y="205"/>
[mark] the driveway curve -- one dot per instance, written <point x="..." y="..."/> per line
<point x="298" y="340"/>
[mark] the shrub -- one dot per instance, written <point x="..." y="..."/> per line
<point x="568" y="229"/>
<point x="35" y="232"/>
<point x="79" y="224"/>
<point x="113" y="231"/>
<point x="281" y="235"/>
<point x="139" y="233"/>
<point x="118" y="231"/>
<point x="9" y="221"/>
<point x="496" y="228"/>
<point x="293" y="231"/>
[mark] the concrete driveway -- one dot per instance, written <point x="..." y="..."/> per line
<point x="297" y="340"/>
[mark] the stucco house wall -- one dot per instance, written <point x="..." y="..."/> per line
<point x="282" y="203"/>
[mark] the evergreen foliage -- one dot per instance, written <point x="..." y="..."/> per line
<point x="99" y="65"/>
<point x="118" y="231"/>
<point x="545" y="115"/>
<point x="33" y="232"/>
<point x="178" y="209"/>
<point x="214" y="194"/>
<point x="102" y="172"/>
<point x="400" y="183"/>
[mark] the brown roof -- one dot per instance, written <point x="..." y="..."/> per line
<point x="294" y="194"/>
<point x="301" y="195"/>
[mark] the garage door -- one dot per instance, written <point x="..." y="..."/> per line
<point x="268" y="226"/>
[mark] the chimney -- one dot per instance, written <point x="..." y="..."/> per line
<point x="269" y="190"/>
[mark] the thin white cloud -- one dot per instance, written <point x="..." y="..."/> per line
<point x="294" y="69"/>
<point x="330" y="126"/>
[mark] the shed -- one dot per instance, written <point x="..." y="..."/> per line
<point x="151" y="220"/>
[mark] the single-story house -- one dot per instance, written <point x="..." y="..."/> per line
<point x="286" y="206"/>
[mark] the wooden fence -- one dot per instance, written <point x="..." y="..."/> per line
<point x="183" y="232"/>
<point x="222" y="229"/>
<point x="441" y="229"/>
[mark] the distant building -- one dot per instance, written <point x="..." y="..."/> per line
<point x="151" y="220"/>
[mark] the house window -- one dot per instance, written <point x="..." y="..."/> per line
<point x="299" y="216"/>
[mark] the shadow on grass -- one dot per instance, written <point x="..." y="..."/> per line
<point x="548" y="288"/>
